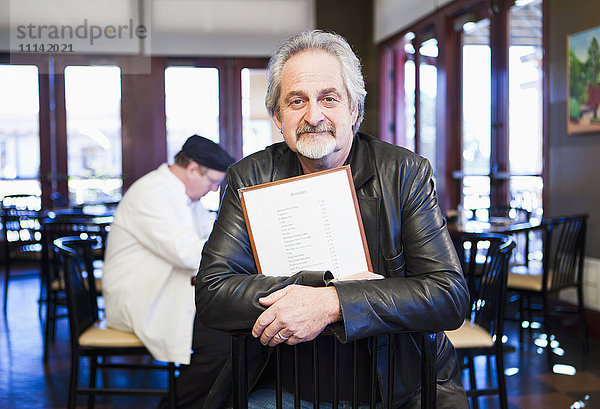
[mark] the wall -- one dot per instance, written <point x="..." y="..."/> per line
<point x="353" y="19"/>
<point x="574" y="168"/>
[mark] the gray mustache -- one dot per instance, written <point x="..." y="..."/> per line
<point x="307" y="128"/>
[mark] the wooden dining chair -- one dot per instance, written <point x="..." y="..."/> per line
<point x="428" y="342"/>
<point x="91" y="338"/>
<point x="474" y="252"/>
<point x="561" y="269"/>
<point x="67" y="225"/>
<point x="483" y="329"/>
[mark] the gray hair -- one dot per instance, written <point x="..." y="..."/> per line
<point x="331" y="43"/>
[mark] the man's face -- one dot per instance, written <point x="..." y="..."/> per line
<point x="201" y="180"/>
<point x="315" y="114"/>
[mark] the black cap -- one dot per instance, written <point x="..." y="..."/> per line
<point x="207" y="153"/>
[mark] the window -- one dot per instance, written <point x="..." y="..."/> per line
<point x="525" y="105"/>
<point x="409" y="103"/>
<point x="93" y="104"/>
<point x="482" y="129"/>
<point x="428" y="102"/>
<point x="19" y="130"/>
<point x="191" y="105"/>
<point x="259" y="130"/>
<point x="476" y="114"/>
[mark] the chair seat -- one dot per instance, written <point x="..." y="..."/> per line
<point x="98" y="335"/>
<point x="470" y="335"/>
<point x="523" y="278"/>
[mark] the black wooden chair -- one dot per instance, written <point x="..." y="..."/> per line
<point x="22" y="233"/>
<point x="91" y="338"/>
<point x="474" y="252"/>
<point x="483" y="330"/>
<point x="428" y="370"/>
<point x="68" y="225"/>
<point x="561" y="269"/>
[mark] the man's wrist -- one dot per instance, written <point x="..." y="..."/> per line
<point x="335" y="312"/>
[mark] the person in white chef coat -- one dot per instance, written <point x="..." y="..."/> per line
<point x="153" y="249"/>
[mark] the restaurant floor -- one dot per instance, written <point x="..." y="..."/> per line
<point x="26" y="383"/>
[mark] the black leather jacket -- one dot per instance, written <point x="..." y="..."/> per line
<point x="424" y="289"/>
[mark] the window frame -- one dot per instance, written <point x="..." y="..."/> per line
<point x="449" y="104"/>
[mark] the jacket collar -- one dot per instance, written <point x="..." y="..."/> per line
<point x="287" y="165"/>
<point x="359" y="159"/>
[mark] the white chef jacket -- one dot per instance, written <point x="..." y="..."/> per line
<point x="153" y="250"/>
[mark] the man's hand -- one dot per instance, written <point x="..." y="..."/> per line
<point x="296" y="314"/>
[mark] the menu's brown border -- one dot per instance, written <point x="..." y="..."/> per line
<point x="292" y="179"/>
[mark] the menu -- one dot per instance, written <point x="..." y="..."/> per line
<point x="308" y="222"/>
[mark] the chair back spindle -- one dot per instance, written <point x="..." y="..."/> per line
<point x="428" y="371"/>
<point x="74" y="254"/>
<point x="563" y="252"/>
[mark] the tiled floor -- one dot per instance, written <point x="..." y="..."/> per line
<point x="25" y="382"/>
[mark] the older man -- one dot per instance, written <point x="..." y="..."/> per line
<point x="316" y="98"/>
<point x="153" y="251"/>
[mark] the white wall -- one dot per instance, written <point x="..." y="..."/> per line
<point x="393" y="16"/>
<point x="226" y="27"/>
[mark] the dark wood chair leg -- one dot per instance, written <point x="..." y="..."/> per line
<point x="547" y="330"/>
<point x="520" y="320"/>
<point x="73" y="380"/>
<point x="6" y="278"/>
<point x="240" y="372"/>
<point x="172" y="386"/>
<point x="472" y="381"/>
<point x="43" y="294"/>
<point x="92" y="384"/>
<point x="529" y="310"/>
<point x="501" y="378"/>
<point x="585" y="348"/>
<point x="428" y="372"/>
<point x="47" y="329"/>
<point x="104" y="372"/>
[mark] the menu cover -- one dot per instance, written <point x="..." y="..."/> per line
<point x="308" y="222"/>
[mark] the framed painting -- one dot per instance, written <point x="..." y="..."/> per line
<point x="583" y="79"/>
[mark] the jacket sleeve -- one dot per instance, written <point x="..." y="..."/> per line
<point x="424" y="289"/>
<point x="227" y="285"/>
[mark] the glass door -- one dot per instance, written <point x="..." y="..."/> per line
<point x="19" y="130"/>
<point x="427" y="80"/>
<point x="258" y="129"/>
<point x="525" y="74"/>
<point x="476" y="114"/>
<point x="93" y="103"/>
<point x="192" y="107"/>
